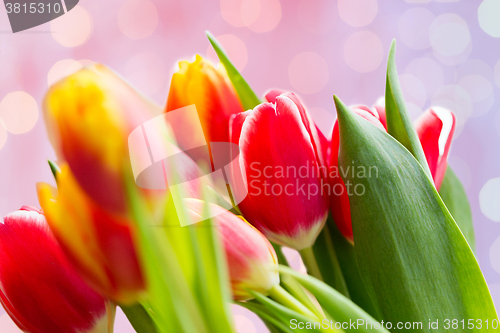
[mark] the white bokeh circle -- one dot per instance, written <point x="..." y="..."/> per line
<point x="62" y="69"/>
<point x="317" y="16"/>
<point x="240" y="13"/>
<point x="3" y="134"/>
<point x="73" y="28"/>
<point x="413" y="90"/>
<point x="480" y="91"/>
<point x="357" y="13"/>
<point x="489" y="200"/>
<point x="488" y="14"/>
<point x="268" y="18"/>
<point x="138" y="19"/>
<point x="19" y="112"/>
<point x="363" y="51"/>
<point x="449" y="35"/>
<point x="308" y="72"/>
<point x="428" y="71"/>
<point x="414" y="27"/>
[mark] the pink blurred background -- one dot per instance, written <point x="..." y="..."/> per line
<point x="448" y="54"/>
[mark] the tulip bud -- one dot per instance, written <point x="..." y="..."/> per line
<point x="89" y="116"/>
<point x="98" y="242"/>
<point x="251" y="259"/>
<point x="281" y="162"/>
<point x="212" y="92"/>
<point x="39" y="289"/>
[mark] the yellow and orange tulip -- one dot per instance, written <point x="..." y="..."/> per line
<point x="89" y="116"/>
<point x="99" y="243"/>
<point x="213" y="94"/>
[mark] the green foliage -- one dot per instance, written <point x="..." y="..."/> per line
<point x="413" y="258"/>
<point x="399" y="124"/>
<point x="453" y="194"/>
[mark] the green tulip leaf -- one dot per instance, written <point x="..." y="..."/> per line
<point x="139" y="318"/>
<point x="54" y="168"/>
<point x="328" y="263"/>
<point x="399" y="124"/>
<point x="349" y="266"/>
<point x="453" y="194"/>
<point x="415" y="262"/>
<point x="286" y="315"/>
<point x="340" y="308"/>
<point x="247" y="96"/>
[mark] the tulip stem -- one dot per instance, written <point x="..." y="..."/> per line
<point x="283" y="297"/>
<point x="310" y="262"/>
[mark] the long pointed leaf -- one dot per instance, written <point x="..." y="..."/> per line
<point x="139" y="318"/>
<point x="413" y="257"/>
<point x="399" y="124"/>
<point x="248" y="98"/>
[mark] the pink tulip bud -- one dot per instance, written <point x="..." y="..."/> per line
<point x="282" y="163"/>
<point x="251" y="259"/>
<point x="39" y="289"/>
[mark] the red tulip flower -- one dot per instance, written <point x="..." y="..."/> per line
<point x="434" y="128"/>
<point x="39" y="289"/>
<point x="281" y="161"/>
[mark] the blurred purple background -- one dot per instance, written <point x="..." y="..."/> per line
<point x="448" y="54"/>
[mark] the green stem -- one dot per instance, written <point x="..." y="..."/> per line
<point x="295" y="289"/>
<point x="281" y="296"/>
<point x="310" y="262"/>
<point x="139" y="318"/>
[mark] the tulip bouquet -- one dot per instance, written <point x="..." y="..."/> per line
<point x="148" y="218"/>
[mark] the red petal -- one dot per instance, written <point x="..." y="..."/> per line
<point x="272" y="94"/>
<point x="39" y="287"/>
<point x="381" y="112"/>
<point x="276" y="137"/>
<point x="319" y="141"/>
<point x="435" y="130"/>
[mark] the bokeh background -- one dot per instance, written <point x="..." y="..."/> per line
<point x="448" y="54"/>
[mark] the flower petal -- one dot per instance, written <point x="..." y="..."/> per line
<point x="435" y="130"/>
